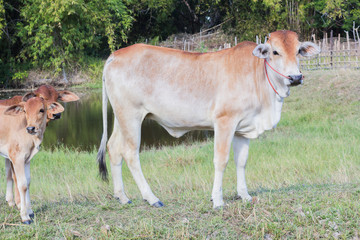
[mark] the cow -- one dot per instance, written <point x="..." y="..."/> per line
<point x="23" y="127"/>
<point x="237" y="92"/>
<point x="49" y="94"/>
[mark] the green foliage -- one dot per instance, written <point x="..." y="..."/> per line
<point x="60" y="32"/>
<point x="202" y="48"/>
<point x="20" y="76"/>
<point x="2" y="20"/>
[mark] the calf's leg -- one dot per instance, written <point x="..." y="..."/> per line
<point x="9" y="183"/>
<point x="27" y="196"/>
<point x="22" y="184"/>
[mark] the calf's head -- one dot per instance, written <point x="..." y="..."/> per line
<point x="282" y="52"/>
<point x="35" y="111"/>
<point x="50" y="95"/>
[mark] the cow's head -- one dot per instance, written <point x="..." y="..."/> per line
<point x="36" y="111"/>
<point x="282" y="52"/>
<point x="50" y="94"/>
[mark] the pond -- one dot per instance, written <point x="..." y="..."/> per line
<point x="80" y="125"/>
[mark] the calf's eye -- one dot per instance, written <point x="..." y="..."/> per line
<point x="275" y="53"/>
<point x="41" y="110"/>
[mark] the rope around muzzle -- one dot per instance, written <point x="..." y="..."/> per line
<point x="266" y="62"/>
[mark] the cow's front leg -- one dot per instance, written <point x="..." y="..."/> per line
<point x="9" y="183"/>
<point x="224" y="132"/>
<point x="241" y="150"/>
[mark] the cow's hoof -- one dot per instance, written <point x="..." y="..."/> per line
<point x="128" y="202"/>
<point x="11" y="203"/>
<point x="32" y="215"/>
<point x="27" y="222"/>
<point x="158" y="204"/>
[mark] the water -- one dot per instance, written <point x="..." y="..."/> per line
<point x="80" y="126"/>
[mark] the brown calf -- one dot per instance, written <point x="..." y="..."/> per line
<point x="49" y="94"/>
<point x="20" y="140"/>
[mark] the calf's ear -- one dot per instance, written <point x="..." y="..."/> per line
<point x="15" y="110"/>
<point x="262" y="51"/>
<point x="67" y="96"/>
<point x="308" y="49"/>
<point x="28" y="96"/>
<point x="55" y="107"/>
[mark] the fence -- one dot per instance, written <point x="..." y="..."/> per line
<point x="336" y="52"/>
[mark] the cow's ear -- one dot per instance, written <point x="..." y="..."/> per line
<point x="15" y="110"/>
<point x="55" y="107"/>
<point x="67" y="96"/>
<point x="308" y="49"/>
<point x="28" y="96"/>
<point x="262" y="51"/>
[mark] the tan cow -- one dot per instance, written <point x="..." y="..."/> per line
<point x="49" y="94"/>
<point x="237" y="92"/>
<point x="20" y="140"/>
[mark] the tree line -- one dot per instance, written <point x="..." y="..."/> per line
<point x="64" y="34"/>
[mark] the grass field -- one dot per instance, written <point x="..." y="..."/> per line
<point x="305" y="175"/>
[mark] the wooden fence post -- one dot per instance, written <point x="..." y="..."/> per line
<point x="331" y="48"/>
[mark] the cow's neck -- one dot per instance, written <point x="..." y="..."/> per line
<point x="277" y="103"/>
<point x="276" y="100"/>
<point x="38" y="137"/>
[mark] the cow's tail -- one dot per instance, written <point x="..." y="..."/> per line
<point x="101" y="156"/>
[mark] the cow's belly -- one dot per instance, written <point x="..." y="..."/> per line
<point x="180" y="120"/>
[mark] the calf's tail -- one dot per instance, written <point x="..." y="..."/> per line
<point x="101" y="156"/>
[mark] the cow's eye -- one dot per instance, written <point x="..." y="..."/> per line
<point x="41" y="110"/>
<point x="275" y="53"/>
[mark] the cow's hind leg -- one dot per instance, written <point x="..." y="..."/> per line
<point x="116" y="162"/>
<point x="9" y="183"/>
<point x="130" y="134"/>
<point x="241" y="150"/>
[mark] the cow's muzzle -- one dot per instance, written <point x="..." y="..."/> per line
<point x="56" y="116"/>
<point x="296" y="79"/>
<point x="31" y="130"/>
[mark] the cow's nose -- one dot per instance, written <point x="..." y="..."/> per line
<point x="30" y="130"/>
<point x="57" y="115"/>
<point x="296" y="79"/>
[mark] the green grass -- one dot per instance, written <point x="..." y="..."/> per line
<point x="305" y="175"/>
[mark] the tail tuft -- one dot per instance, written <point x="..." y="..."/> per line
<point x="102" y="165"/>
